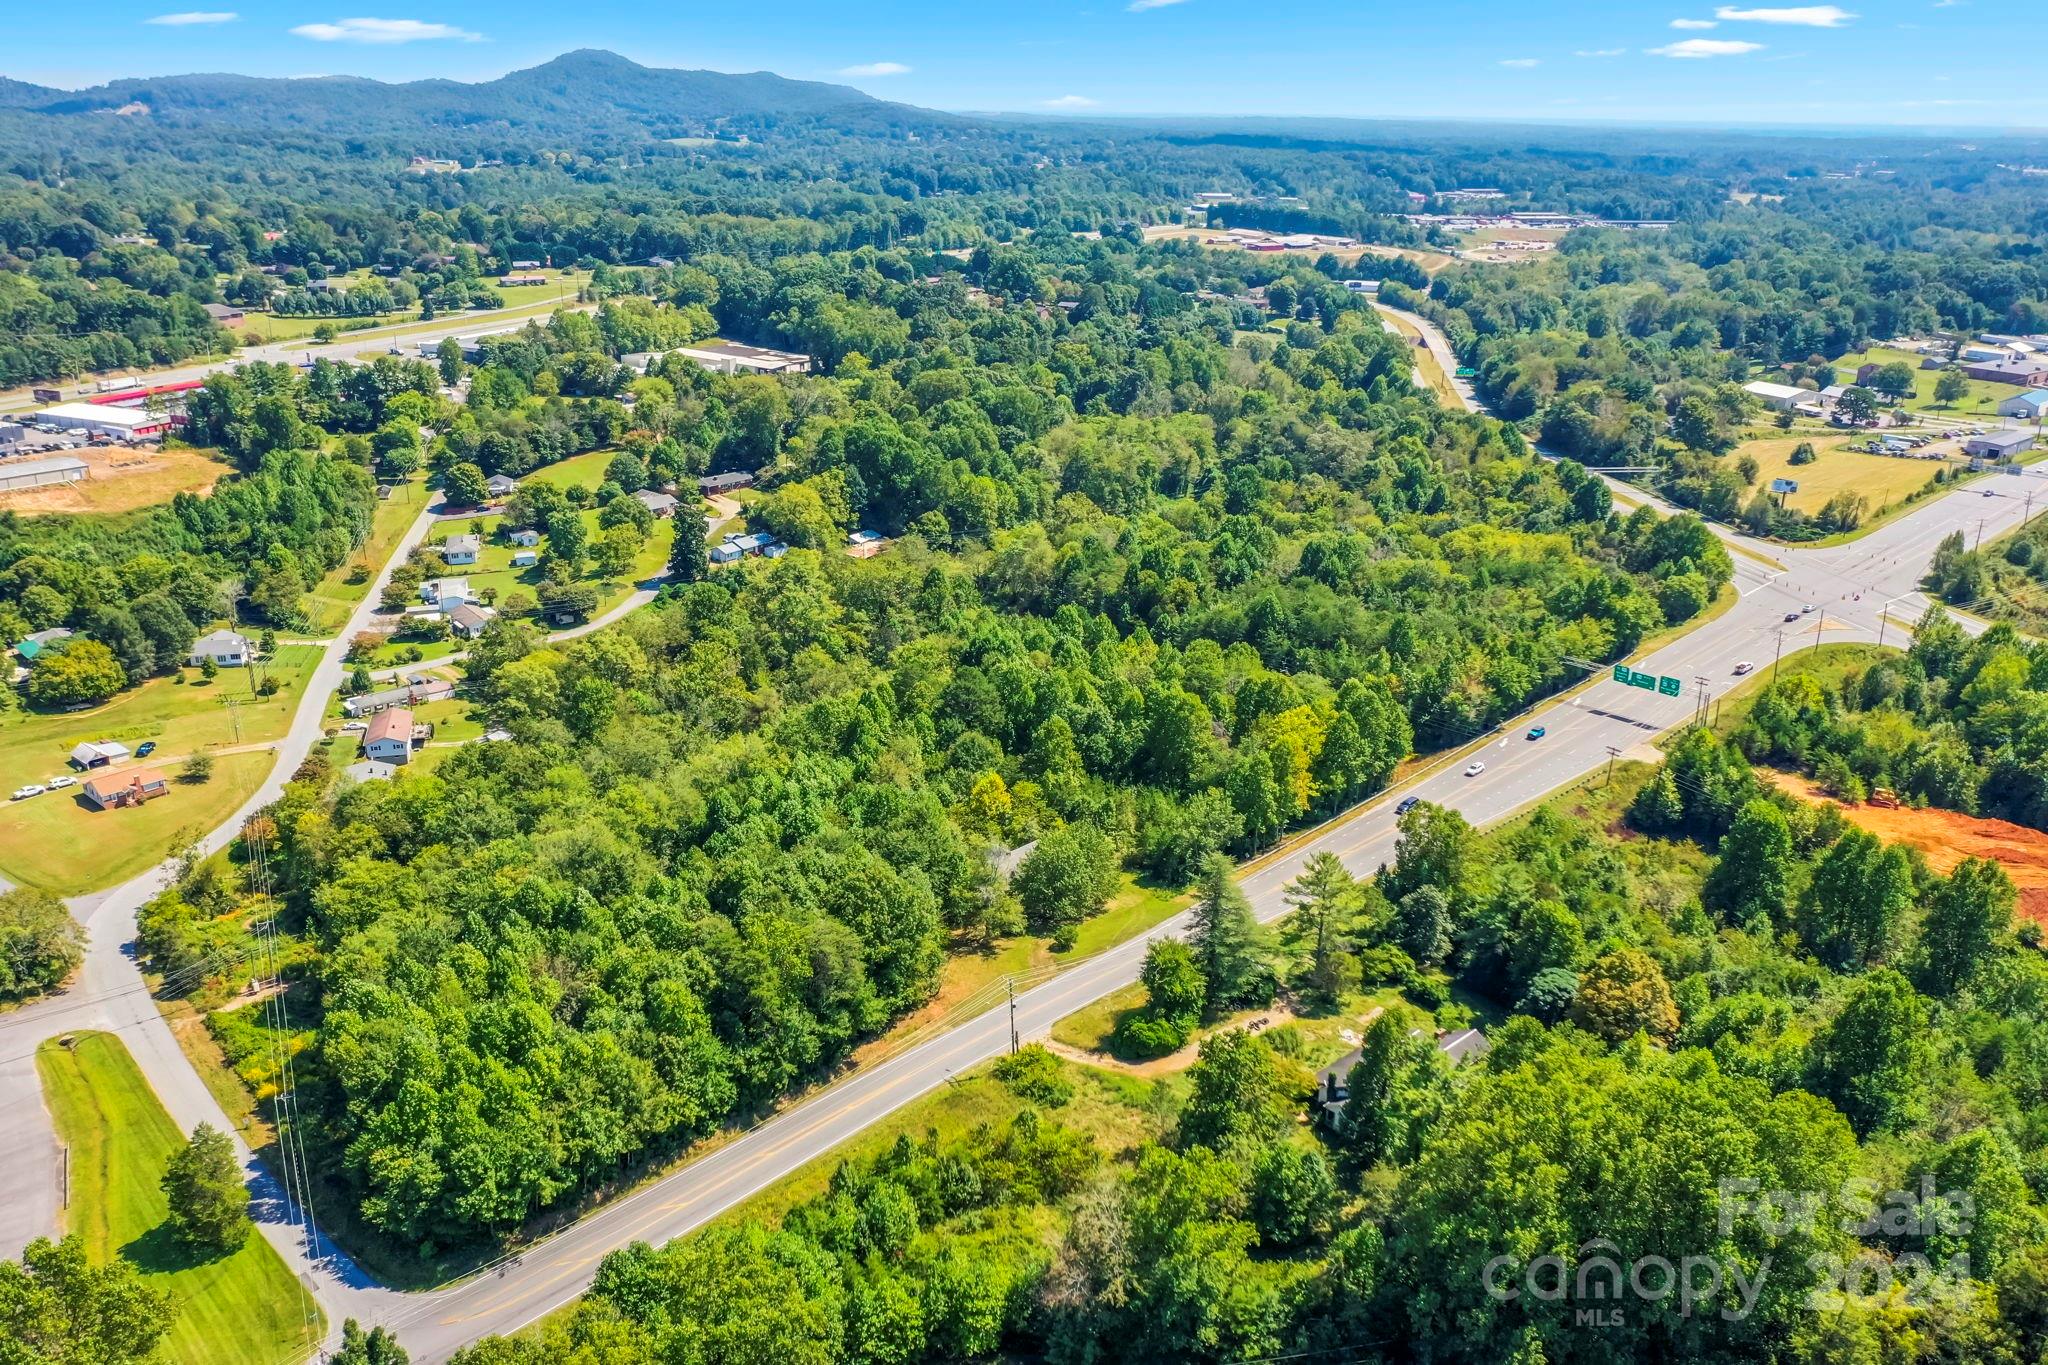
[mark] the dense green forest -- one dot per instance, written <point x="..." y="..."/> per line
<point x="1158" y="588"/>
<point x="1764" y="1005"/>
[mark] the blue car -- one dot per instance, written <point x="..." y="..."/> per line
<point x="1407" y="803"/>
<point x="1537" y="732"/>
<point x="145" y="749"/>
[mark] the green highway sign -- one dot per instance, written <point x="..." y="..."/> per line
<point x="1645" y="681"/>
<point x="1621" y="673"/>
<point x="1670" y="687"/>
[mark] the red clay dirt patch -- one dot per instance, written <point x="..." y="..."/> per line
<point x="1947" y="837"/>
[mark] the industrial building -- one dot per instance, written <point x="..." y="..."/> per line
<point x="729" y="357"/>
<point x="1999" y="445"/>
<point x="102" y="419"/>
<point x="40" y="473"/>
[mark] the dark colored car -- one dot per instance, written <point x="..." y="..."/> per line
<point x="145" y="749"/>
<point x="1407" y="803"/>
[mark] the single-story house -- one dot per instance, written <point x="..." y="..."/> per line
<point x="226" y="314"/>
<point x="774" y="550"/>
<point x="751" y="543"/>
<point x="525" y="535"/>
<point x="657" y="502"/>
<point x="469" y="621"/>
<point x="526" y="265"/>
<point x="419" y="689"/>
<point x="500" y="486"/>
<point x="725" y="483"/>
<point x="2027" y="406"/>
<point x="35" y="644"/>
<point x="1999" y="445"/>
<point x="1333" y="1082"/>
<point x="863" y="537"/>
<point x="1983" y="353"/>
<point x="462" y="549"/>
<point x="525" y="559"/>
<point x="227" y="649"/>
<point x="389" y="738"/>
<point x="1832" y="394"/>
<point x="515" y="281"/>
<point x="445" y="593"/>
<point x="370" y="770"/>
<point x="98" y="753"/>
<point x="130" y="788"/>
<point x="725" y="553"/>
<point x="1782" y="397"/>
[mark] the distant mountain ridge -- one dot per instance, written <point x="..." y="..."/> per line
<point x="579" y="94"/>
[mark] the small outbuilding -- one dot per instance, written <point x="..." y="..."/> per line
<point x="98" y="753"/>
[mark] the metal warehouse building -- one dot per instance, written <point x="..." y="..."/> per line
<point x="103" y="419"/>
<point x="38" y="473"/>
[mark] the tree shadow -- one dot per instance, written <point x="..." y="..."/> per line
<point x="161" y="1251"/>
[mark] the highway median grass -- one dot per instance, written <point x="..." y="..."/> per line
<point x="244" y="1308"/>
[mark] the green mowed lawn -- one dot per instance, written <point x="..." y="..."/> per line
<point x="578" y="471"/>
<point x="493" y="571"/>
<point x="58" y="843"/>
<point x="241" y="1309"/>
<point x="453" y="720"/>
<point x="1982" y="400"/>
<point x="1881" y="479"/>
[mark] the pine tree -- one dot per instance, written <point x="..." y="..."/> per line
<point x="203" y="1182"/>
<point x="1228" y="942"/>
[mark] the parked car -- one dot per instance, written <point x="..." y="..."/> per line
<point x="61" y="780"/>
<point x="22" y="793"/>
<point x="1537" y="732"/>
<point x="1474" y="769"/>
<point x="1744" y="667"/>
<point x="145" y="749"/>
<point x="355" y="725"/>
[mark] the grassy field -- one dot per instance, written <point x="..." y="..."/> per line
<point x="1830" y="663"/>
<point x="578" y="471"/>
<point x="1982" y="400"/>
<point x="120" y="480"/>
<point x="55" y="841"/>
<point x="331" y="601"/>
<point x="1427" y="367"/>
<point x="1882" y="480"/>
<point x="58" y="843"/>
<point x="240" y="1309"/>
<point x="561" y="286"/>
<point x="493" y="570"/>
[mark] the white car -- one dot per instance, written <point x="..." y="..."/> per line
<point x="1744" y="667"/>
<point x="1474" y="769"/>
<point x="355" y="725"/>
<point x="22" y="793"/>
<point x="61" y="780"/>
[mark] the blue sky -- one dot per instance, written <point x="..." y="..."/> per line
<point x="1956" y="62"/>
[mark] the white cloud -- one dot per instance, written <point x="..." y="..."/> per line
<point x="1601" y="52"/>
<point x="383" y="31"/>
<point x="1695" y="48"/>
<point x="1140" y="6"/>
<point x="875" y="69"/>
<point x="1694" y="23"/>
<point x="1522" y="63"/>
<point x="195" y="16"/>
<point x="1803" y="16"/>
<point x="1069" y="102"/>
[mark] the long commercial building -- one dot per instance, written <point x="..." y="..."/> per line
<point x="40" y="473"/>
<point x="128" y="424"/>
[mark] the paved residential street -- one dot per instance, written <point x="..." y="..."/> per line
<point x="1848" y="586"/>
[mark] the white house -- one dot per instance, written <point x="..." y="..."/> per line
<point x="227" y="649"/>
<point x="2027" y="406"/>
<point x="525" y="559"/>
<point x="445" y="593"/>
<point x="469" y="621"/>
<point x="462" y="549"/>
<point x="525" y="535"/>
<point x="389" y="738"/>
<point x="499" y="486"/>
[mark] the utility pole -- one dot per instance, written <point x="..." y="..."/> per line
<point x="1980" y="535"/>
<point x="234" y="705"/>
<point x="1819" y="622"/>
<point x="1011" y="985"/>
<point x="1612" y="754"/>
<point x="1699" y="715"/>
<point x="1779" y="655"/>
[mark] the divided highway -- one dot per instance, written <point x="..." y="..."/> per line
<point x="1848" y="587"/>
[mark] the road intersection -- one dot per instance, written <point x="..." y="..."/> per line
<point x="1848" y="587"/>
